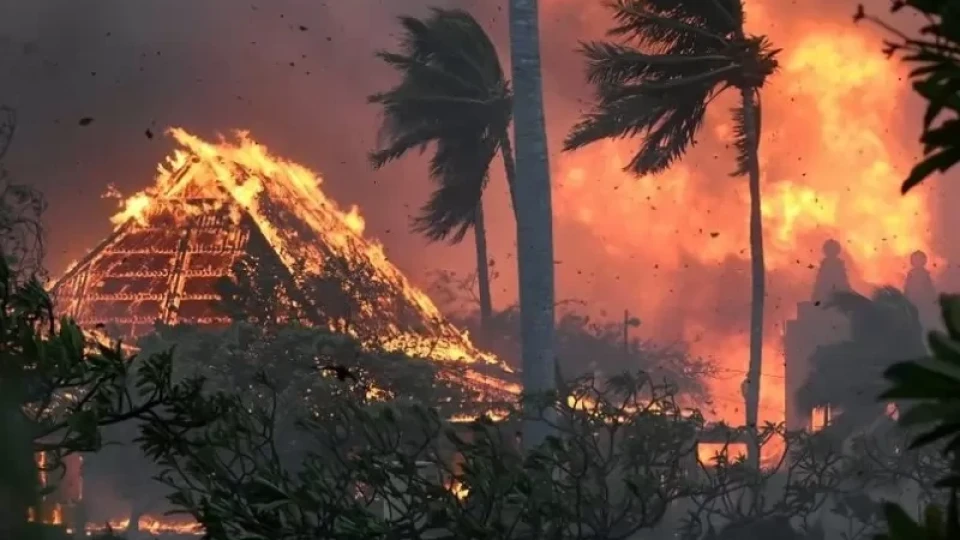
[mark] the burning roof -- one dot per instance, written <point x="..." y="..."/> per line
<point x="215" y="206"/>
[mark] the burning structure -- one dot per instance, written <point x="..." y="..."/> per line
<point x="232" y="213"/>
<point x="221" y="211"/>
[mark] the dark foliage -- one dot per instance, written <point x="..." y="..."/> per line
<point x="390" y="471"/>
<point x="293" y="356"/>
<point x="931" y="389"/>
<point x="735" y="500"/>
<point x="59" y="389"/>
<point x="453" y="94"/>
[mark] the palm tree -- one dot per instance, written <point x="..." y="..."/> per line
<point x="847" y="377"/>
<point x="685" y="55"/>
<point x="535" y="214"/>
<point x="452" y="94"/>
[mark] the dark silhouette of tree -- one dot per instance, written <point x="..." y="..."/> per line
<point x="686" y="54"/>
<point x="384" y="471"/>
<point x="847" y="376"/>
<point x="21" y="209"/>
<point x="930" y="384"/>
<point x="452" y="94"/>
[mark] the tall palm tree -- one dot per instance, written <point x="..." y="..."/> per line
<point x="847" y="376"/>
<point x="452" y="94"/>
<point x="535" y="214"/>
<point x="684" y="54"/>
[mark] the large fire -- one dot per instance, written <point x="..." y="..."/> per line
<point x="260" y="183"/>
<point x="674" y="247"/>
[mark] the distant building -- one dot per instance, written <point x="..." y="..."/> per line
<point x="226" y="211"/>
<point x="816" y="324"/>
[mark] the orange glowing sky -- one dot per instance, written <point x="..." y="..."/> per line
<point x="675" y="246"/>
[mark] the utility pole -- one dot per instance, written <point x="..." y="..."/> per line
<point x="628" y="322"/>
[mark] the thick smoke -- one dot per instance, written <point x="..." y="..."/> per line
<point x="295" y="73"/>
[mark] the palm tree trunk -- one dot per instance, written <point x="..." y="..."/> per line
<point x="534" y="214"/>
<point x="133" y="525"/>
<point x="19" y="476"/>
<point x="510" y="170"/>
<point x="483" y="272"/>
<point x="757" y="276"/>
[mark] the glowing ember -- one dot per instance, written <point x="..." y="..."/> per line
<point x="458" y="489"/>
<point x="152" y="525"/>
<point x="707" y="453"/>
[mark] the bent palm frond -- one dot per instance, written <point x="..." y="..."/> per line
<point x="453" y="96"/>
<point x="741" y="139"/>
<point x="667" y="123"/>
<point x="685" y="55"/>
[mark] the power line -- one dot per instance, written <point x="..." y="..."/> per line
<point x="742" y="372"/>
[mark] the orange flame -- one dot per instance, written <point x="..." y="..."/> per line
<point x="260" y="183"/>
<point x="675" y="247"/>
<point x="152" y="525"/>
<point x="707" y="453"/>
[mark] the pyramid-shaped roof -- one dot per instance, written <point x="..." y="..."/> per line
<point x="215" y="206"/>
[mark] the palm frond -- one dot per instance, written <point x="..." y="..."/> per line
<point x="452" y="95"/>
<point x="395" y="143"/>
<point x="720" y="16"/>
<point x="614" y="63"/>
<point x="452" y="37"/>
<point x="678" y="26"/>
<point x="460" y="169"/>
<point x="745" y="151"/>
<point x="667" y="122"/>
<point x="425" y="73"/>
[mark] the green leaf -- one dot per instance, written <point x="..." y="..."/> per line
<point x="944" y="348"/>
<point x="933" y="519"/>
<point x="913" y="381"/>
<point x="923" y="413"/>
<point x="950" y="313"/>
<point x="900" y="524"/>
<point x="934" y="435"/>
<point x="938" y="162"/>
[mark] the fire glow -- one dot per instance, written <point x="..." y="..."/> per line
<point x="151" y="525"/>
<point x="675" y="246"/>
<point x="255" y="180"/>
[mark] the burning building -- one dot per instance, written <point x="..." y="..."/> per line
<point x="219" y="208"/>
<point x="223" y="211"/>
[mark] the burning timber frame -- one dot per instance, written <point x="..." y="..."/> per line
<point x="159" y="271"/>
<point x="216" y="209"/>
